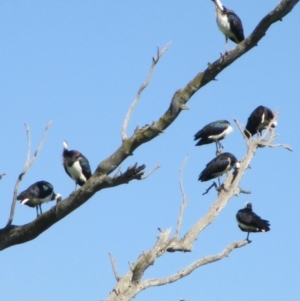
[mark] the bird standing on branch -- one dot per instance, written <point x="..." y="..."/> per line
<point x="216" y="167"/>
<point x="259" y="119"/>
<point x="76" y="165"/>
<point x="37" y="194"/>
<point x="214" y="132"/>
<point x="219" y="165"/>
<point x="229" y="23"/>
<point x="248" y="221"/>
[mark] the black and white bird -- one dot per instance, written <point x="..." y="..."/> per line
<point x="37" y="194"/>
<point x="248" y="221"/>
<point x="76" y="165"/>
<point x="259" y="119"/>
<point x="213" y="132"/>
<point x="229" y="24"/>
<point x="219" y="165"/>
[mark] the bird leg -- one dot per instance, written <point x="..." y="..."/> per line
<point x="219" y="148"/>
<point x="37" y="209"/>
<point x="226" y="45"/>
<point x="210" y="187"/>
<point x="220" y="145"/>
<point x="248" y="238"/>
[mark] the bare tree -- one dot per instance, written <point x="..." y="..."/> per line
<point x="132" y="283"/>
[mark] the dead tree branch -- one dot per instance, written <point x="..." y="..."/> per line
<point x="157" y="166"/>
<point x="182" y="96"/>
<point x="12" y="235"/>
<point x="29" y="162"/>
<point x="184" y="198"/>
<point x="192" y="267"/>
<point x="113" y="264"/>
<point x="141" y="89"/>
<point x="131" y="284"/>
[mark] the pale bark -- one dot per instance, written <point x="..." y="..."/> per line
<point x="132" y="283"/>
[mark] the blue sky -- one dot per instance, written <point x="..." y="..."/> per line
<point x="80" y="64"/>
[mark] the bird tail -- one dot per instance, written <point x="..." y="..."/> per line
<point x="202" y="142"/>
<point x="266" y="226"/>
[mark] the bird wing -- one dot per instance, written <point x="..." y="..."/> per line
<point x="245" y="217"/>
<point x="254" y="121"/>
<point x="236" y="27"/>
<point x="85" y="165"/>
<point x="31" y="192"/>
<point x="214" y="168"/>
<point x="261" y="223"/>
<point x="212" y="129"/>
<point x="269" y="114"/>
<point x="250" y="219"/>
<point x="42" y="189"/>
<point x="66" y="169"/>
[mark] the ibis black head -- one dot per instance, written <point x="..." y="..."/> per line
<point x="248" y="206"/>
<point x="76" y="165"/>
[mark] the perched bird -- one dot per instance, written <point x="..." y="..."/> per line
<point x="229" y="23"/>
<point x="38" y="193"/>
<point x="76" y="165"/>
<point x="248" y="221"/>
<point x="219" y="165"/>
<point x="259" y="119"/>
<point x="213" y="132"/>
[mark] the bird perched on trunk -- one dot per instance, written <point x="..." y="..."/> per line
<point x="248" y="221"/>
<point x="213" y="132"/>
<point x="76" y="165"/>
<point x="219" y="165"/>
<point x="259" y="120"/>
<point x="229" y="23"/>
<point x="37" y="194"/>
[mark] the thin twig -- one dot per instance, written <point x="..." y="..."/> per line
<point x="272" y="136"/>
<point x="2" y="175"/>
<point x="244" y="191"/>
<point x="242" y="131"/>
<point x="143" y="86"/>
<point x="285" y="146"/>
<point x="27" y="165"/>
<point x="188" y="270"/>
<point x="28" y="145"/>
<point x="113" y="264"/>
<point x="151" y="172"/>
<point x="184" y="198"/>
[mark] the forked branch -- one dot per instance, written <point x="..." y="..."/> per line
<point x="133" y="283"/>
<point x="141" y="89"/>
<point x="27" y="165"/>
<point x="100" y="179"/>
<point x="192" y="267"/>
